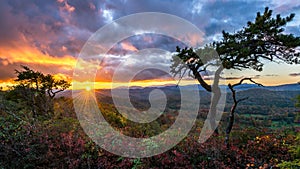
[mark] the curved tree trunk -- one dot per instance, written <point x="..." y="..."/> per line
<point x="215" y="89"/>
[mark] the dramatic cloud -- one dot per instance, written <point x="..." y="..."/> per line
<point x="152" y="74"/>
<point x="48" y="34"/>
<point x="149" y="63"/>
<point x="128" y="46"/>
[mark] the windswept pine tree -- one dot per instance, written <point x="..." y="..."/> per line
<point x="37" y="90"/>
<point x="249" y="48"/>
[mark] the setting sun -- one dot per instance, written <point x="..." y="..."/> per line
<point x="88" y="88"/>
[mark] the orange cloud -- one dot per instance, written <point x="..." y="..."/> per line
<point x="12" y="56"/>
<point x="67" y="7"/>
<point x="128" y="46"/>
<point x="192" y="39"/>
<point x="29" y="55"/>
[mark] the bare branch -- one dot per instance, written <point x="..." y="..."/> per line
<point x="234" y="105"/>
<point x="241" y="81"/>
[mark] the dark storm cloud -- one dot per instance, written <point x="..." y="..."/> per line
<point x="151" y="74"/>
<point x="294" y="74"/>
<point x="87" y="14"/>
<point x="155" y="41"/>
<point x="212" y="18"/>
<point x="145" y="41"/>
<point x="61" y="27"/>
<point x="143" y="65"/>
<point x="228" y="15"/>
<point x="51" y="26"/>
<point x="127" y="7"/>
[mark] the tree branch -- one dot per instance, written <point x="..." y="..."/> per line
<point x="197" y="75"/>
<point x="234" y="105"/>
<point x="242" y="80"/>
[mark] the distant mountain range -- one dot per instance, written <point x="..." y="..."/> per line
<point x="242" y="87"/>
<point x="170" y="88"/>
<point x="285" y="87"/>
<point x="261" y="100"/>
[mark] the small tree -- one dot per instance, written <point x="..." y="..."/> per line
<point x="38" y="89"/>
<point x="260" y="41"/>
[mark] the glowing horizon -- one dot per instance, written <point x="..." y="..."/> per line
<point x="149" y="83"/>
<point x="153" y="83"/>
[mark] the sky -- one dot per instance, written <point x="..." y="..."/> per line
<point x="49" y="35"/>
